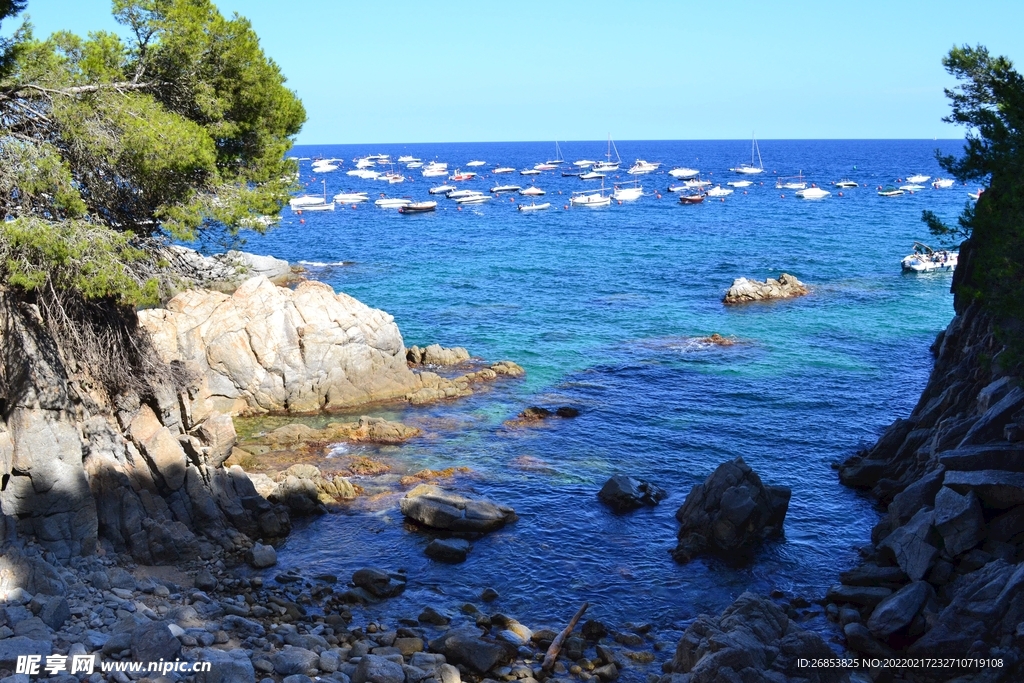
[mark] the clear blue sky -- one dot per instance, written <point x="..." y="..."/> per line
<point x="527" y="70"/>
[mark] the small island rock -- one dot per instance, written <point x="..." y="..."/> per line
<point x="623" y="493"/>
<point x="744" y="290"/>
<point x="437" y="508"/>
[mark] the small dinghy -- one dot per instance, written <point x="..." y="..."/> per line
<point x="535" y="206"/>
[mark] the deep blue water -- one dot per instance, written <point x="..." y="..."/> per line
<point x="601" y="306"/>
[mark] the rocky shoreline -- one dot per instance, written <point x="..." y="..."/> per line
<point x="99" y="488"/>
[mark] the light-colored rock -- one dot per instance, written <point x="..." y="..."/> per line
<point x="263" y="556"/>
<point x="745" y="291"/>
<point x="269" y="348"/>
<point x="434" y="507"/>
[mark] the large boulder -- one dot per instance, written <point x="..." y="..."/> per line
<point x="154" y="641"/>
<point x="623" y="493"/>
<point x="266" y="348"/>
<point x="898" y="610"/>
<point x="378" y="582"/>
<point x="233" y="666"/>
<point x="958" y="520"/>
<point x="913" y="545"/>
<point x="752" y="641"/>
<point x="731" y="511"/>
<point x="375" y="669"/>
<point x="469" y="649"/>
<point x="745" y="291"/>
<point x="437" y="508"/>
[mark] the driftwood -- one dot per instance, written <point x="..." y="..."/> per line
<point x="556" y="644"/>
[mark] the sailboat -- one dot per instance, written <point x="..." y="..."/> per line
<point x="609" y="165"/>
<point x="558" y="156"/>
<point x="591" y="198"/>
<point x="750" y="169"/>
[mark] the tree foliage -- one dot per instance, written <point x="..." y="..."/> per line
<point x="184" y="124"/>
<point x="990" y="102"/>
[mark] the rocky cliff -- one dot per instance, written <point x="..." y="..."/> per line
<point x="944" y="574"/>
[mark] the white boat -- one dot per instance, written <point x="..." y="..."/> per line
<point x="678" y="188"/>
<point x="592" y="198"/>
<point x="591" y="175"/>
<point x="846" y="183"/>
<point x="919" y="178"/>
<point x="943" y="183"/>
<point x="584" y="163"/>
<point x="608" y="165"/>
<point x="529" y="171"/>
<point x="545" y="167"/>
<point x="628" y="194"/>
<point x="391" y="203"/>
<point x="365" y="162"/>
<point x="418" y="207"/>
<point x="813" y="193"/>
<point x="476" y="163"/>
<point x="393" y="178"/>
<point x="350" y="197"/>
<point x="441" y="189"/>
<point x="328" y="206"/>
<point x="503" y="169"/>
<point x="474" y="199"/>
<point x="535" y="206"/>
<point x="683" y="173"/>
<point x="739" y="183"/>
<point x="405" y="159"/>
<point x="323" y="167"/>
<point x="641" y="167"/>
<point x="365" y="173"/>
<point x="462" y="175"/>
<point x="414" y="164"/>
<point x="531" y="191"/>
<point x="696" y="184"/>
<point x="890" y="191"/>
<point x="750" y="169"/>
<point x="434" y="172"/>
<point x="719" y="191"/>
<point x="912" y="187"/>
<point x="925" y="259"/>
<point x="558" y="156"/>
<point x="306" y="200"/>
<point x="437" y="164"/>
<point x="795" y="182"/>
<point x="506" y="188"/>
<point x="975" y="195"/>
<point x="459" y="194"/>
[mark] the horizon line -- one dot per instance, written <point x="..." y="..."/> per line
<point x="476" y="142"/>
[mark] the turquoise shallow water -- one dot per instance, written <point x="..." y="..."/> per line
<point x="601" y="306"/>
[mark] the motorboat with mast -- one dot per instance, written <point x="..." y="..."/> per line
<point x="608" y="165"/>
<point x="750" y="169"/>
<point x="558" y="156"/>
<point x="628" y="194"/>
<point x="795" y="182"/>
<point x="591" y="198"/>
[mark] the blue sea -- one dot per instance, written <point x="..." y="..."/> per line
<point x="604" y="308"/>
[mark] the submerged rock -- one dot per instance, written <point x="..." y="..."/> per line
<point x="731" y="511"/>
<point x="623" y="493"/>
<point x="450" y="550"/>
<point x="745" y="291"/>
<point x="437" y="508"/>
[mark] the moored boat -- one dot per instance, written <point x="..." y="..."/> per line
<point x="441" y="189"/>
<point x="750" y="169"/>
<point x="739" y="183"/>
<point x="478" y="198"/>
<point x="392" y="202"/>
<point x="350" y="197"/>
<point x="642" y="167"/>
<point x="529" y="171"/>
<point x="534" y="206"/>
<point x="919" y="178"/>
<point x="925" y="259"/>
<point x="418" y="207"/>
<point x="503" y="169"/>
<point x="942" y="183"/>
<point x="890" y="191"/>
<point x="691" y="198"/>
<point x="506" y="188"/>
<point x="683" y="173"/>
<point x="719" y="191"/>
<point x="475" y="163"/>
<point x="462" y="175"/>
<point x="591" y="175"/>
<point x="846" y="183"/>
<point x="813" y="193"/>
<point x="531" y="191"/>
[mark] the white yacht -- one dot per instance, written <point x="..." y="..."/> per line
<point x="434" y="172"/>
<point x="558" y="156"/>
<point x="584" y="163"/>
<point x="719" y="191"/>
<point x="545" y="167"/>
<point x="442" y="189"/>
<point x="503" y="169"/>
<point x="925" y="259"/>
<point x="406" y="159"/>
<point x="683" y="173"/>
<point x="696" y="184"/>
<point x="414" y="164"/>
<point x="350" y="197"/>
<point x="324" y="166"/>
<point x="591" y="175"/>
<point x="506" y="188"/>
<point x="846" y="183"/>
<point x="365" y="162"/>
<point x="608" y="165"/>
<point x="642" y="167"/>
<point x="476" y="163"/>
<point x="918" y="179"/>
<point x="750" y="169"/>
<point x="942" y="183"/>
<point x="459" y="194"/>
<point x="739" y="183"/>
<point x="529" y="171"/>
<point x="813" y="193"/>
<point x="326" y="206"/>
<point x="392" y="203"/>
<point x="478" y="198"/>
<point x="627" y="194"/>
<point x="305" y="201"/>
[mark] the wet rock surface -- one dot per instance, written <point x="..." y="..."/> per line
<point x="437" y="508"/>
<point x="745" y="291"/>
<point x="623" y="493"/>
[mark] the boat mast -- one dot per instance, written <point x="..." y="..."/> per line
<point x="760" y="164"/>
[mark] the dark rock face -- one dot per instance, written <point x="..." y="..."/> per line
<point x="131" y="471"/>
<point x="470" y="650"/>
<point x="751" y="641"/>
<point x="434" y="507"/>
<point x="378" y="582"/>
<point x="951" y="545"/>
<point x="731" y="511"/>
<point x="449" y="550"/>
<point x="153" y="641"/>
<point x="623" y="493"/>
